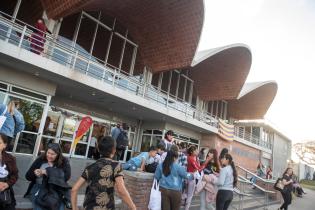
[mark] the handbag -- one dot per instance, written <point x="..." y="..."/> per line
<point x="5" y="196"/>
<point x="2" y="117"/>
<point x="155" y="197"/>
<point x="279" y="185"/>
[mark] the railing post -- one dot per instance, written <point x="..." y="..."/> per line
<point x="75" y="59"/>
<point x="22" y="36"/>
<point x="114" y="78"/>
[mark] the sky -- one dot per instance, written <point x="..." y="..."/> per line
<point x="281" y="36"/>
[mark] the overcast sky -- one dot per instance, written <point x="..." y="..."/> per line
<point x="281" y="35"/>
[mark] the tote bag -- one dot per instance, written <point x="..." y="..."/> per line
<point x="279" y="185"/>
<point x="155" y="197"/>
<point x="2" y="117"/>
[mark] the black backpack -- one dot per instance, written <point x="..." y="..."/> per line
<point x="122" y="140"/>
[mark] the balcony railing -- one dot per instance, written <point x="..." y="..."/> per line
<point x="251" y="138"/>
<point x="73" y="56"/>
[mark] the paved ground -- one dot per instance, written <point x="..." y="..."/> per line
<point x="305" y="203"/>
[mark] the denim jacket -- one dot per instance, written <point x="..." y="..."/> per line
<point x="174" y="180"/>
<point x="10" y="127"/>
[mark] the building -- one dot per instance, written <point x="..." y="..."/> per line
<point x="127" y="61"/>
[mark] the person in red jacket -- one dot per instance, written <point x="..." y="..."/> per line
<point x="193" y="167"/>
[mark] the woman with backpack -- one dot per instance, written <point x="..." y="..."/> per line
<point x="8" y="176"/>
<point x="38" y="174"/>
<point x="170" y="176"/>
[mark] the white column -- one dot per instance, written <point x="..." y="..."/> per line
<point x="41" y="127"/>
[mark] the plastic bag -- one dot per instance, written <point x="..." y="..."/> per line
<point x="155" y="197"/>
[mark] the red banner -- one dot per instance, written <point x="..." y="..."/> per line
<point x="84" y="126"/>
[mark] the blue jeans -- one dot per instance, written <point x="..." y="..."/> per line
<point x="130" y="166"/>
<point x="34" y="190"/>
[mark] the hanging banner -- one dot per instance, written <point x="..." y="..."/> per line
<point x="226" y="131"/>
<point x="84" y="126"/>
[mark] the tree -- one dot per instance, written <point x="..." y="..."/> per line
<point x="305" y="151"/>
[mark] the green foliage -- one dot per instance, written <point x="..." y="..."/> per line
<point x="31" y="112"/>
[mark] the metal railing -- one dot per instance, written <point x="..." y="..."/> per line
<point x="267" y="183"/>
<point x="73" y="56"/>
<point x="251" y="138"/>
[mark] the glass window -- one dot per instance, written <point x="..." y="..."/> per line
<point x="51" y="123"/>
<point x="26" y="143"/>
<point x="80" y="149"/>
<point x="32" y="113"/>
<point x="156" y="140"/>
<point x="65" y="146"/>
<point x="2" y="96"/>
<point x="146" y="140"/>
<point x="256" y="131"/>
<point x="68" y="128"/>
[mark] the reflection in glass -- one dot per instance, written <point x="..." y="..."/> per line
<point x="26" y="143"/>
<point x="65" y="146"/>
<point x="32" y="113"/>
<point x="80" y="149"/>
<point x="68" y="128"/>
<point x="51" y="123"/>
<point x="145" y="145"/>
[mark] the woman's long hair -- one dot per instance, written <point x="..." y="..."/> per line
<point x="60" y="159"/>
<point x="286" y="171"/>
<point x="230" y="159"/>
<point x="171" y="156"/>
<point x="215" y="161"/>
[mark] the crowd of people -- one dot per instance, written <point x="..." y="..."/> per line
<point x="180" y="169"/>
<point x="181" y="174"/>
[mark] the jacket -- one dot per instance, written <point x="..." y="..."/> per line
<point x="207" y="184"/>
<point x="10" y="162"/>
<point x="193" y="164"/>
<point x="30" y="175"/>
<point x="174" y="180"/>
<point x="12" y="125"/>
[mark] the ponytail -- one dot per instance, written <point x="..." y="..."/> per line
<point x="229" y="157"/>
<point x="170" y="158"/>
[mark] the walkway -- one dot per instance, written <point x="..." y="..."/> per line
<point x="305" y="203"/>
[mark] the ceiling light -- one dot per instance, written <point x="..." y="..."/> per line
<point x="36" y="74"/>
<point x="93" y="94"/>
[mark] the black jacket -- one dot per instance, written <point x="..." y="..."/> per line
<point x="30" y="175"/>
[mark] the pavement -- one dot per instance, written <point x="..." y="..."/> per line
<point x="304" y="203"/>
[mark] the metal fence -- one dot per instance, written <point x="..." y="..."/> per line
<point x="73" y="56"/>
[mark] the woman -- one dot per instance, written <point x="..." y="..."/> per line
<point x="37" y="173"/>
<point x="102" y="177"/>
<point x="193" y="167"/>
<point x="226" y="183"/>
<point x="38" y="37"/>
<point x="14" y="122"/>
<point x="259" y="173"/>
<point x="8" y="174"/>
<point x="213" y="167"/>
<point x="288" y="187"/>
<point x="170" y="175"/>
<point x="269" y="173"/>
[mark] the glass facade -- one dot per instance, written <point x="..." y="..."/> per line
<point x="59" y="125"/>
<point x="153" y="137"/>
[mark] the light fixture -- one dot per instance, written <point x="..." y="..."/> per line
<point x="36" y="73"/>
<point x="93" y="93"/>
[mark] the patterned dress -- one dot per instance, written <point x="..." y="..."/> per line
<point x="100" y="177"/>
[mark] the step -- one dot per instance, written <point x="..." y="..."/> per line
<point x="26" y="204"/>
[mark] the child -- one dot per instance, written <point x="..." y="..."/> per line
<point x="103" y="177"/>
<point x="154" y="161"/>
<point x="140" y="161"/>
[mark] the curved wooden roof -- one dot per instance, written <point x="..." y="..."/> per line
<point x="167" y="31"/>
<point x="253" y="101"/>
<point x="220" y="73"/>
